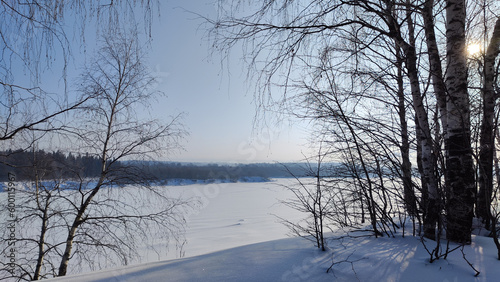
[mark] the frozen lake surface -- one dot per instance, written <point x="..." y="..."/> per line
<point x="235" y="214"/>
<point x="222" y="232"/>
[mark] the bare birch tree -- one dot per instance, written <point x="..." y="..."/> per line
<point x="34" y="39"/>
<point x="112" y="129"/>
<point x="487" y="140"/>
<point x="460" y="190"/>
<point x="102" y="222"/>
<point x="329" y="24"/>
<point x="283" y="38"/>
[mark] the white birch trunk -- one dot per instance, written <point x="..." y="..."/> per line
<point x="483" y="204"/>
<point x="460" y="190"/>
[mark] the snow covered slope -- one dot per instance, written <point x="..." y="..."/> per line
<point x="295" y="259"/>
<point x="235" y="237"/>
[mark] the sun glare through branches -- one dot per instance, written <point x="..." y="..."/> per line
<point x="474" y="49"/>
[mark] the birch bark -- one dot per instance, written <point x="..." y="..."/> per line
<point x="486" y="151"/>
<point x="460" y="189"/>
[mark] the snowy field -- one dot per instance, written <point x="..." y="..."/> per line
<point x="229" y="215"/>
<point x="235" y="214"/>
<point x="234" y="236"/>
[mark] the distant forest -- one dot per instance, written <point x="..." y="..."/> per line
<point x="58" y="165"/>
<point x="48" y="165"/>
<point x="227" y="172"/>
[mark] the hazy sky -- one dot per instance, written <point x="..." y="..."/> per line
<point x="219" y="107"/>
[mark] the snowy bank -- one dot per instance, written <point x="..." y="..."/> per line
<point x="295" y="259"/>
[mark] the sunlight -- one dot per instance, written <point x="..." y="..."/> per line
<point x="474" y="49"/>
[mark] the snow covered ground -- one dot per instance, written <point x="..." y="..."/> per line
<point x="361" y="259"/>
<point x="234" y="236"/>
<point x="234" y="214"/>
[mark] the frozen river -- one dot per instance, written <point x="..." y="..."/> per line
<point x="228" y="215"/>
<point x="235" y="214"/>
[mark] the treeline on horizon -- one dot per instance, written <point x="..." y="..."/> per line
<point x="226" y="172"/>
<point x="58" y="165"/>
<point x="25" y="165"/>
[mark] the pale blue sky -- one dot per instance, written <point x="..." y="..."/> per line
<point x="219" y="107"/>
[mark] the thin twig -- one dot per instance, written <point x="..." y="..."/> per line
<point x="468" y="262"/>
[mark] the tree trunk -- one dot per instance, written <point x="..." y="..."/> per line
<point x="431" y="206"/>
<point x="424" y="199"/>
<point x="460" y="190"/>
<point x="43" y="230"/>
<point x="319" y="196"/>
<point x="408" y="192"/>
<point x="41" y="240"/>
<point x="436" y="69"/>
<point x="63" y="267"/>
<point x="434" y="204"/>
<point x="483" y="204"/>
<point x="428" y="160"/>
